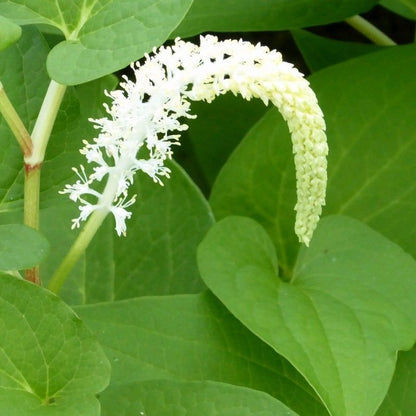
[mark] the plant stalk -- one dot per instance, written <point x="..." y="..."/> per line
<point x="31" y="210"/>
<point x="45" y="121"/>
<point x="33" y="161"/>
<point x="370" y="31"/>
<point x="15" y="123"/>
<point x="78" y="248"/>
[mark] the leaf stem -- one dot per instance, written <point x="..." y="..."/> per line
<point x="31" y="210"/>
<point x="45" y="121"/>
<point x="15" y="123"/>
<point x="77" y="249"/>
<point x="370" y="31"/>
<point x="33" y="161"/>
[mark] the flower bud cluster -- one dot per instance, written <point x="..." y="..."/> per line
<point x="147" y="112"/>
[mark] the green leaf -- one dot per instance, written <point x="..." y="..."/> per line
<point x="368" y="107"/>
<point x="101" y="36"/>
<point x="401" y="400"/>
<point x="9" y="33"/>
<point x="51" y="364"/>
<point x="212" y="137"/>
<point x="21" y="247"/>
<point x="341" y="320"/>
<point x="176" y="398"/>
<point x="225" y="16"/>
<point x="406" y="8"/>
<point x="258" y="181"/>
<point x="192" y="337"/>
<point x="158" y="256"/>
<point x="320" y="52"/>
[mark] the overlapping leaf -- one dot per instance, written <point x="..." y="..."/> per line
<point x="173" y="398"/>
<point x="406" y="8"/>
<point x="340" y="321"/>
<point x="400" y="399"/>
<point x="9" y="33"/>
<point x="320" y="52"/>
<point x="50" y="362"/>
<point x="214" y="134"/>
<point x="101" y="36"/>
<point x="226" y="16"/>
<point x="192" y="337"/>
<point x="21" y="247"/>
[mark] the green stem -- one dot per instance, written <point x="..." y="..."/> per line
<point x="15" y="123"/>
<point x="45" y="121"/>
<point x="87" y="233"/>
<point x="370" y="31"/>
<point x="77" y="249"/>
<point x="31" y="210"/>
<point x="33" y="161"/>
<point x="31" y="201"/>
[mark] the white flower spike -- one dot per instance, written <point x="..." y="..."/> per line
<point x="137" y="134"/>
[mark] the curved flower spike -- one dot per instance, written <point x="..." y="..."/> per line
<point x="137" y="134"/>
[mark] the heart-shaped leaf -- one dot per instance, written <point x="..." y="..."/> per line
<point x="50" y="362"/>
<point x="21" y="247"/>
<point x="192" y="337"/>
<point x="101" y="36"/>
<point x="9" y="33"/>
<point x="176" y="398"/>
<point x="226" y="16"/>
<point x="340" y="321"/>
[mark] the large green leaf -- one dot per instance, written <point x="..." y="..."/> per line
<point x="192" y="337"/>
<point x="406" y="8"/>
<point x="226" y="16"/>
<point x="21" y="247"/>
<point x="50" y="362"/>
<point x="168" y="222"/>
<point x="368" y="106"/>
<point x="401" y="398"/>
<point x="158" y="256"/>
<point x="259" y="181"/>
<point x="320" y="52"/>
<point x="9" y="33"/>
<point x="214" y="134"/>
<point x="340" y="321"/>
<point x="101" y="36"/>
<point x="178" y="398"/>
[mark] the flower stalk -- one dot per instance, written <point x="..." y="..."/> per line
<point x="33" y="161"/>
<point x="77" y="249"/>
<point x="137" y="134"/>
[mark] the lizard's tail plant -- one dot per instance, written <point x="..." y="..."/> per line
<point x="137" y="134"/>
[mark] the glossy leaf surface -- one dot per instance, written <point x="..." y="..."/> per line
<point x="101" y="36"/>
<point x="340" y="321"/>
<point x="192" y="337"/>
<point x="175" y="398"/>
<point x="51" y="363"/>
